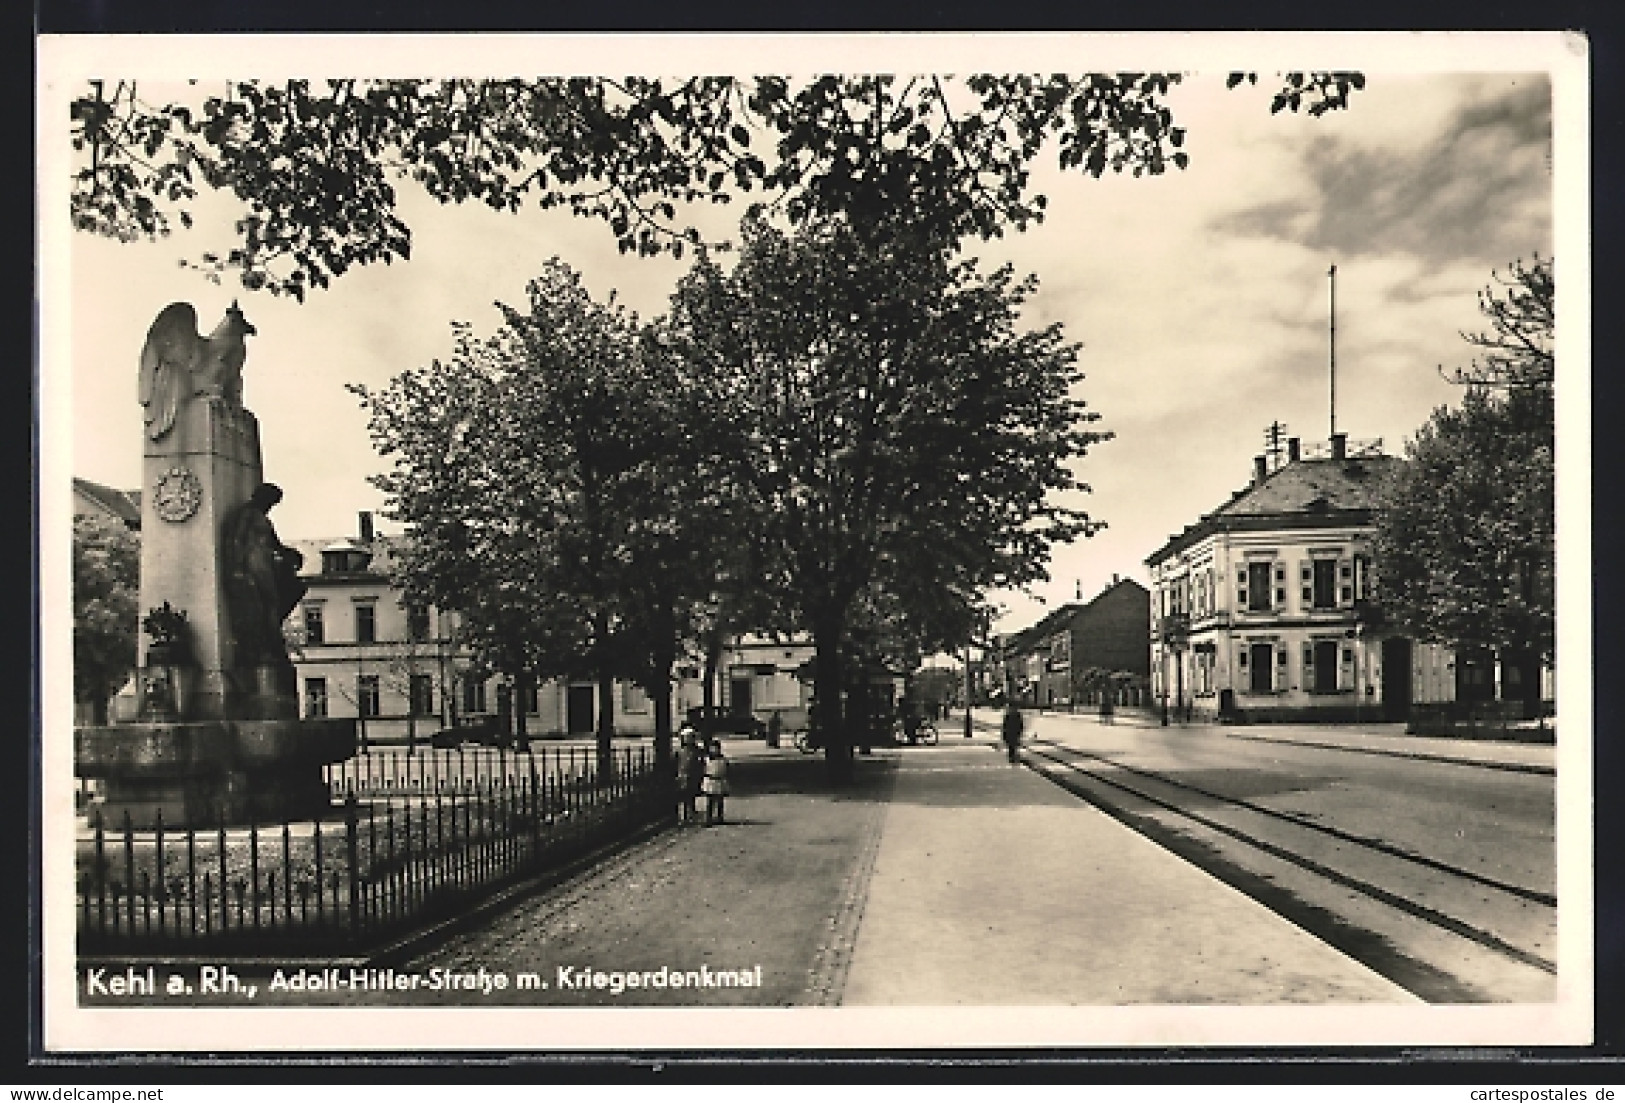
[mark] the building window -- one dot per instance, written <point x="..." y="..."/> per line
<point x="313" y="624"/>
<point x="633" y="698"/>
<point x="421" y="695"/>
<point x="366" y="694"/>
<point x="473" y="695"/>
<point x="1258" y="587"/>
<point x="366" y="623"/>
<point x="1325" y="584"/>
<point x="315" y="697"/>
<point x="417" y="622"/>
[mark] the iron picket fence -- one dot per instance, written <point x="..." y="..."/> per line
<point x="375" y="868"/>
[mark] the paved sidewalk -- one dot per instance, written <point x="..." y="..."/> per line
<point x="994" y="887"/>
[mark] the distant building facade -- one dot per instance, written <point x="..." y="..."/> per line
<point x="1261" y="610"/>
<point x="361" y="651"/>
<point x="1050" y="664"/>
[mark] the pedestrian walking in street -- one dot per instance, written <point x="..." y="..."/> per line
<point x="1012" y="729"/>
<point x="715" y="785"/>
<point x="690" y="772"/>
<point x="1107" y="706"/>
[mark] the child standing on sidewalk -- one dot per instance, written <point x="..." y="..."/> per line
<point x="690" y="771"/>
<point x="715" y="785"/>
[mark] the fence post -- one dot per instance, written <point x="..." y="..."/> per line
<point x="158" y="861"/>
<point x="287" y="875"/>
<point x="100" y="844"/>
<point x="220" y="855"/>
<point x="321" y="914"/>
<point x="191" y="878"/>
<point x="129" y="871"/>
<point x="254" y="872"/>
<point x="352" y="829"/>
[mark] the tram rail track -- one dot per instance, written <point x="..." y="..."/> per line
<point x="1145" y="799"/>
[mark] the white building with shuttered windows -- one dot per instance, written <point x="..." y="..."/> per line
<point x="1260" y="609"/>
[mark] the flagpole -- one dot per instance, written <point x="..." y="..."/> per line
<point x="1332" y="348"/>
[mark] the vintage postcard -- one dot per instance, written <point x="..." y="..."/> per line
<point x="605" y="543"/>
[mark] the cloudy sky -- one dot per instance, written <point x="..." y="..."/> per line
<point x="1200" y="298"/>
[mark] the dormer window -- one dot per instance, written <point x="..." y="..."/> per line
<point x="345" y="557"/>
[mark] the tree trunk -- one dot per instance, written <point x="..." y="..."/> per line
<point x="827" y="681"/>
<point x="606" y="700"/>
<point x="660" y="693"/>
<point x="521" y="734"/>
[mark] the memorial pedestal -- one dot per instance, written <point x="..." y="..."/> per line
<point x="199" y="773"/>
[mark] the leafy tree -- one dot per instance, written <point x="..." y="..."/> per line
<point x="543" y="474"/>
<point x="1466" y="540"/>
<point x="1516" y="351"/>
<point x="687" y="578"/>
<point x="905" y="435"/>
<point x="106" y="597"/>
<point x="316" y="165"/>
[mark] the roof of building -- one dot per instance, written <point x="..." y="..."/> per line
<point x="379" y="566"/>
<point x="1052" y="621"/>
<point x="1296" y="494"/>
<point x="123" y="504"/>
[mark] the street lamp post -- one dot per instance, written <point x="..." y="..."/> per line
<point x="968" y="692"/>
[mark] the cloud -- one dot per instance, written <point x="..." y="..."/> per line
<point x="1479" y="188"/>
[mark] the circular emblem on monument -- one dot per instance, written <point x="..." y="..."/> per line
<point x="177" y="495"/>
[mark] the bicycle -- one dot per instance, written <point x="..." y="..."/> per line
<point x="925" y="732"/>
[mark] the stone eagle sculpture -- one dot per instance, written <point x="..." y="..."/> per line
<point x="177" y="363"/>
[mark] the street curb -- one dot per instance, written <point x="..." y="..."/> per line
<point x="1416" y="756"/>
<point x="827" y="980"/>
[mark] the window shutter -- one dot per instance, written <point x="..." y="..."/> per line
<point x="1306" y="576"/>
<point x="1308" y="680"/>
<point x="1278" y="682"/>
<point x="1241" y="589"/>
<point x="1345" y="669"/>
<point x="1345" y="582"/>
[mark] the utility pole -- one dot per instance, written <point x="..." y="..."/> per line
<point x="1274" y="436"/>
<point x="1331" y="274"/>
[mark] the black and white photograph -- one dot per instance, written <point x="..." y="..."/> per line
<point x="727" y="542"/>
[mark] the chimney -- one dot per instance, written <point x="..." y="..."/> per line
<point x="1292" y="450"/>
<point x="1114" y="578"/>
<point x="366" y="526"/>
<point x="1339" y="445"/>
<point x="1260" y="469"/>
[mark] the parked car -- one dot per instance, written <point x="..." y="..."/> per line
<point x="717" y="720"/>
<point x="485" y="730"/>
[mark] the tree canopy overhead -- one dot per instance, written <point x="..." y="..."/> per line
<point x="316" y="164"/>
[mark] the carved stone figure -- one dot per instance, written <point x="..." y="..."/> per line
<point x="178" y="364"/>
<point x="262" y="579"/>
